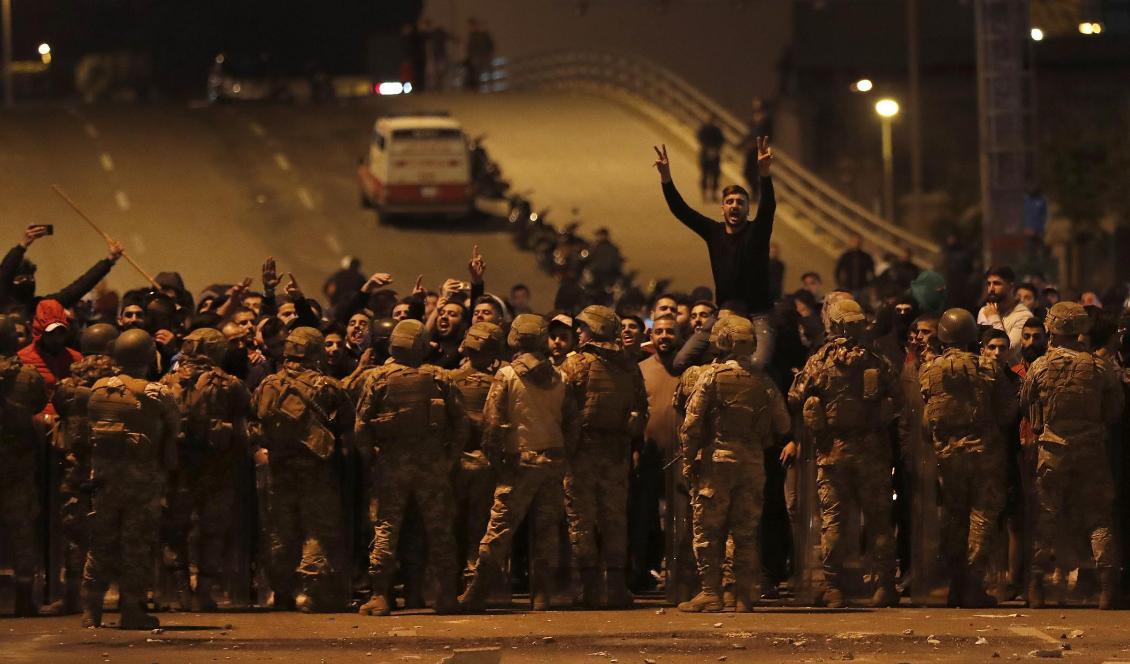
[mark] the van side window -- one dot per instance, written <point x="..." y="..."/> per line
<point x="378" y="140"/>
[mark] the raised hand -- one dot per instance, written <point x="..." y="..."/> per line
<point x="32" y="233"/>
<point x="662" y="164"/>
<point x="270" y="276"/>
<point x="477" y="266"/>
<point x="378" y="280"/>
<point x="764" y="156"/>
<point x="293" y="291"/>
<point x="419" y="289"/>
<point x="115" y="248"/>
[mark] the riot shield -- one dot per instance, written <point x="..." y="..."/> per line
<point x="681" y="572"/>
<point x="929" y="582"/>
<point x="803" y="504"/>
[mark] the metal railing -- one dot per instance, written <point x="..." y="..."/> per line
<point x="829" y="214"/>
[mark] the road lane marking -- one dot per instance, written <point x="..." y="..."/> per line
<point x="282" y="162"/>
<point x="306" y="198"/>
<point x="91" y="131"/>
<point x="138" y="243"/>
<point x="257" y="129"/>
<point x="1034" y="633"/>
<point x="334" y="244"/>
<point x="107" y="161"/>
<point x="122" y="199"/>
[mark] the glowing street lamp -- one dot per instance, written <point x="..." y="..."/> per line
<point x="862" y="85"/>
<point x="887" y="109"/>
<point x="1037" y="34"/>
<point x="45" y="53"/>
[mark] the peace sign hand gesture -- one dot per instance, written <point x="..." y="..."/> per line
<point x="662" y="164"/>
<point x="764" y="156"/>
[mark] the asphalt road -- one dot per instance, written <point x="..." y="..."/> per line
<point x="211" y="191"/>
<point x="639" y="635"/>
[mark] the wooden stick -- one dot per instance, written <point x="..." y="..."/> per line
<point x="129" y="259"/>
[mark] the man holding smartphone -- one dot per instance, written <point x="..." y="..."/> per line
<point x="17" y="274"/>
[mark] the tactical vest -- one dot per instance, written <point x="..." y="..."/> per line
<point x="412" y="404"/>
<point x="291" y="414"/>
<point x="608" y="396"/>
<point x="534" y="409"/>
<point x="849" y="385"/>
<point x="474" y="385"/>
<point x="686" y="386"/>
<point x="1071" y="389"/>
<point x="22" y="395"/>
<point x="741" y="418"/>
<point x="124" y="423"/>
<point x="203" y="397"/>
<point x="958" y="394"/>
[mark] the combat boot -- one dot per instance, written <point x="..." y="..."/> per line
<point x="973" y="595"/>
<point x="743" y="599"/>
<point x="886" y="595"/>
<point x="202" y="597"/>
<point x="1036" y="591"/>
<point x="590" y="588"/>
<point x="184" y="590"/>
<point x="833" y="596"/>
<point x="474" y="599"/>
<point x="729" y="599"/>
<point x="23" y="605"/>
<point x="92" y="600"/>
<point x="616" y="594"/>
<point x="446" y="601"/>
<point x="71" y="601"/>
<point x="378" y="604"/>
<point x="133" y="615"/>
<point x="541" y="589"/>
<point x="1108" y="583"/>
<point x="708" y="600"/>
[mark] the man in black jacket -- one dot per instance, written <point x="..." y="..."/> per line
<point x="17" y="276"/>
<point x="739" y="249"/>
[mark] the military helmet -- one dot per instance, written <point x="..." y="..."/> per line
<point x="8" y="336"/>
<point x="735" y="337"/>
<point x="483" y="337"/>
<point x="304" y="343"/>
<point x="1067" y="318"/>
<point x="408" y="341"/>
<point x="956" y="327"/>
<point x="529" y="332"/>
<point x="845" y="317"/>
<point x="717" y="328"/>
<point x="206" y="341"/>
<point x="134" y="349"/>
<point x="98" y="339"/>
<point x="601" y="321"/>
<point x="381" y="330"/>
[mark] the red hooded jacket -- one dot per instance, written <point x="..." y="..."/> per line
<point x="52" y="367"/>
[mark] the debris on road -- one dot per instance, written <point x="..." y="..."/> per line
<point x="1076" y="634"/>
<point x="981" y="641"/>
<point x="485" y="655"/>
<point x="932" y="640"/>
<point x="1048" y="654"/>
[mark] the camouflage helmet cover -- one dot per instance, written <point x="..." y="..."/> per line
<point x="1067" y="318"/>
<point x="528" y="332"/>
<point x="601" y="321"/>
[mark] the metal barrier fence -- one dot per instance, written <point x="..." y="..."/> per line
<point x="830" y="216"/>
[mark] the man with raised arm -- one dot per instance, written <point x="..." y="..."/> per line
<point x="739" y="248"/>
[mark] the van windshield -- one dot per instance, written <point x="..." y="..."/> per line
<point x="424" y="141"/>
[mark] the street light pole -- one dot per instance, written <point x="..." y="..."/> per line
<point x="887" y="109"/>
<point x="888" y="171"/>
<point x="6" y="20"/>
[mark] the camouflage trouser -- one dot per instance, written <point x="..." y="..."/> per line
<point x="123" y="535"/>
<point x="535" y="486"/>
<point x="304" y="510"/>
<point x="1075" y="492"/>
<point x="596" y="502"/>
<point x="204" y="484"/>
<point x="399" y="482"/>
<point x="862" y="481"/>
<point x="75" y="493"/>
<point x="726" y="500"/>
<point x="973" y="495"/>
<point x="19" y="507"/>
<point x="474" y="493"/>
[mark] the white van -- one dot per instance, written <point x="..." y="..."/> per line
<point x="417" y="164"/>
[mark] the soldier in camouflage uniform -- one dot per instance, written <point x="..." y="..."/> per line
<point x="529" y="429"/>
<point x="733" y="414"/>
<point x="72" y="437"/>
<point x="134" y="425"/>
<point x="411" y="420"/>
<point x="213" y="406"/>
<point x="967" y="398"/>
<point x="1071" y="396"/>
<point x="474" y="479"/>
<point x="607" y="385"/>
<point x="22" y="395"/>
<point x="301" y="417"/>
<point x="848" y="394"/>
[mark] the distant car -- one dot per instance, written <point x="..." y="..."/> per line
<point x="254" y="77"/>
<point x="417" y="165"/>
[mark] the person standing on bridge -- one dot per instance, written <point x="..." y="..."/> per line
<point x="739" y="249"/>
